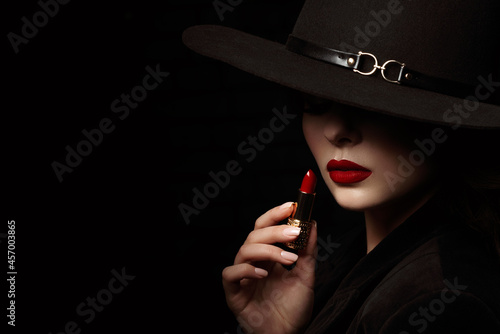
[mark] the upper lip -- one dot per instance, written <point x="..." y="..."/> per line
<point x="344" y="165"/>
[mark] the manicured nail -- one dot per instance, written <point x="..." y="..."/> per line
<point x="261" y="272"/>
<point x="289" y="256"/>
<point x="291" y="231"/>
<point x="286" y="206"/>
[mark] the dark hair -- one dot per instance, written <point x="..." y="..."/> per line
<point x="471" y="166"/>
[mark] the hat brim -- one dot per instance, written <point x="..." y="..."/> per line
<point x="271" y="61"/>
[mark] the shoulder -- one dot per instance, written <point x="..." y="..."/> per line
<point x="451" y="281"/>
<point x="443" y="311"/>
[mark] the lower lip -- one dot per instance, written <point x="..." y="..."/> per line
<point x="349" y="176"/>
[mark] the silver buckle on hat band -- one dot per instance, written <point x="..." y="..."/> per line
<point x="376" y="67"/>
<point x="382" y="70"/>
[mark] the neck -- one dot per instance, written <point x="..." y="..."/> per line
<point x="380" y="221"/>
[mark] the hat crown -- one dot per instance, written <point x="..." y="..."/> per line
<point x="452" y="39"/>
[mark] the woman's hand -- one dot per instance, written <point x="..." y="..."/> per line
<point x="263" y="295"/>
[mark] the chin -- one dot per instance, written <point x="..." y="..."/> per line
<point x="362" y="196"/>
<point x="354" y="199"/>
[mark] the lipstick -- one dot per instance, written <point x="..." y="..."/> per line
<point x="345" y="171"/>
<point x="301" y="215"/>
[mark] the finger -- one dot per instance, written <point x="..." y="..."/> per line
<point x="234" y="274"/>
<point x="274" y="216"/>
<point x="231" y="276"/>
<point x="273" y="234"/>
<point x="261" y="252"/>
<point x="233" y="279"/>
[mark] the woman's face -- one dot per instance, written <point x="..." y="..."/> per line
<point x="365" y="158"/>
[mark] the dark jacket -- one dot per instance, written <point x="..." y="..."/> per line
<point x="432" y="274"/>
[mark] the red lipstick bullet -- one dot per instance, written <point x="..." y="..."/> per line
<point x="308" y="183"/>
<point x="301" y="215"/>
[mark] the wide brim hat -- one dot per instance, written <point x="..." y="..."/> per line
<point x="431" y="61"/>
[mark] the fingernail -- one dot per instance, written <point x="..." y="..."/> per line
<point x="261" y="272"/>
<point x="289" y="256"/>
<point x="291" y="231"/>
<point x="286" y="206"/>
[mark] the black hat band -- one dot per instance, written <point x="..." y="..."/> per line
<point x="354" y="61"/>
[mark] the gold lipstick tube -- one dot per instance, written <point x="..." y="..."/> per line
<point x="301" y="217"/>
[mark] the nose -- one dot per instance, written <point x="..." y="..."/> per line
<point x="341" y="129"/>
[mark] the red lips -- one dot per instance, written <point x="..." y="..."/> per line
<point x="345" y="171"/>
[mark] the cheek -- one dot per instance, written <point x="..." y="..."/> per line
<point x="401" y="166"/>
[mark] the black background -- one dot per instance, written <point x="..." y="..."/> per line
<point x="119" y="207"/>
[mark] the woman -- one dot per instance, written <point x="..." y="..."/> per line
<point x="426" y="259"/>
